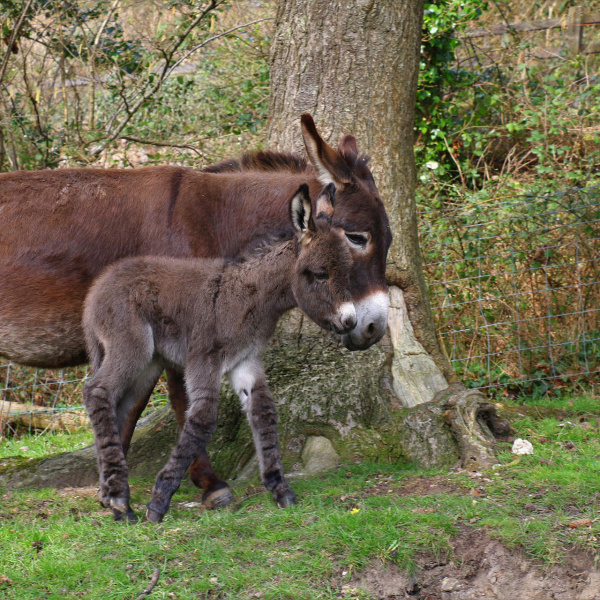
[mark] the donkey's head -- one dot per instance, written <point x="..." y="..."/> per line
<point x="361" y="219"/>
<point x="321" y="279"/>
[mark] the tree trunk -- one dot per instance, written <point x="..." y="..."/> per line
<point x="353" y="64"/>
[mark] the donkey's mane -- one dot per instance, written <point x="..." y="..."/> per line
<point x="262" y="161"/>
<point x="268" y="161"/>
<point x="263" y="244"/>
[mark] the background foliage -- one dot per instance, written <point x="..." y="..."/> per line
<point x="87" y="80"/>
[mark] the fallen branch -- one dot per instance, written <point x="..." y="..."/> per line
<point x="151" y="585"/>
<point x="15" y="414"/>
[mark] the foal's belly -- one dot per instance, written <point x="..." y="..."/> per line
<point x="40" y="318"/>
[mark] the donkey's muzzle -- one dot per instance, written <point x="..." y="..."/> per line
<point x="371" y="324"/>
<point x="345" y="320"/>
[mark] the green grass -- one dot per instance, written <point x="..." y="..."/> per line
<point x="60" y="545"/>
<point x="36" y="444"/>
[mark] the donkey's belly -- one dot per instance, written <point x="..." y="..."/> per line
<point x="40" y="318"/>
<point x="38" y="347"/>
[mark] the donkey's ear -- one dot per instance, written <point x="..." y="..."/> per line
<point x="325" y="202"/>
<point x="348" y="149"/>
<point x="330" y="166"/>
<point x="300" y="209"/>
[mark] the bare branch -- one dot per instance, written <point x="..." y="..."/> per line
<point x="151" y="585"/>
<point x="109" y="14"/>
<point x="145" y="93"/>
<point x="164" y="144"/>
<point x="212" y="39"/>
<point x="13" y="38"/>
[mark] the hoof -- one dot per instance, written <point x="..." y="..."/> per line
<point x="286" y="500"/>
<point x="120" y="504"/>
<point x="217" y="499"/>
<point x="154" y="516"/>
<point x="121" y="510"/>
<point x="128" y="516"/>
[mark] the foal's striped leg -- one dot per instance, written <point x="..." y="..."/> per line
<point x="249" y="382"/>
<point x="100" y="402"/>
<point x="202" y="383"/>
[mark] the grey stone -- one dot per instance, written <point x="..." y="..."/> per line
<point x="319" y="455"/>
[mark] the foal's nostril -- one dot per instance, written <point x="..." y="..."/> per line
<point x="349" y="322"/>
<point x="371" y="330"/>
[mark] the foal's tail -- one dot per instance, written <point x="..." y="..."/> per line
<point x="95" y="350"/>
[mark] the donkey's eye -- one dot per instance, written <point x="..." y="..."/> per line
<point x="358" y="239"/>
<point x="321" y="276"/>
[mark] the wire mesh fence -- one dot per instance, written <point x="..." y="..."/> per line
<point x="515" y="288"/>
<point x="41" y="398"/>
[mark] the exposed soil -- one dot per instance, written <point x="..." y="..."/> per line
<point x="425" y="486"/>
<point x="482" y="569"/>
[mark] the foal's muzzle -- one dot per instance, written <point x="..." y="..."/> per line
<point x="371" y="317"/>
<point x="345" y="319"/>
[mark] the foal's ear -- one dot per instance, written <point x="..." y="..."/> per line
<point x="325" y="202"/>
<point x="330" y="166"/>
<point x="300" y="209"/>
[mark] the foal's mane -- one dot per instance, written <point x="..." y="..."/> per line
<point x="263" y="244"/>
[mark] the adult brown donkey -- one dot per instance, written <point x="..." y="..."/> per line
<point x="60" y="228"/>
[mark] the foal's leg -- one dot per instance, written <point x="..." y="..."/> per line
<point x="202" y="383"/>
<point x="101" y="398"/>
<point x="216" y="491"/>
<point x="128" y="407"/>
<point x="126" y="367"/>
<point x="249" y="381"/>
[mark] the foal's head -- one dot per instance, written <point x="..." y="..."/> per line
<point x="321" y="283"/>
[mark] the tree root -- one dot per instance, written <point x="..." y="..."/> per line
<point x="474" y="423"/>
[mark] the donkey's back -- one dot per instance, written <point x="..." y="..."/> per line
<point x="152" y="305"/>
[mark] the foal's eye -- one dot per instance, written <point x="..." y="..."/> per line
<point x="321" y="276"/>
<point x="357" y="239"/>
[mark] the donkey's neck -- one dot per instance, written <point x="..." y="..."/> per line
<point x="265" y="279"/>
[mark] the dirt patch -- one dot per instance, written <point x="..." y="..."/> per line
<point x="425" y="486"/>
<point x="90" y="491"/>
<point x="483" y="569"/>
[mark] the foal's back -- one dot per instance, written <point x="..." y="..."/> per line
<point x="155" y="303"/>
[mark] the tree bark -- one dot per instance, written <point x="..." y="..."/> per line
<point x="353" y="64"/>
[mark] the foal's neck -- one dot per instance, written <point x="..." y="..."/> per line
<point x="270" y="271"/>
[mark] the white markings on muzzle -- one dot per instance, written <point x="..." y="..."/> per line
<point x="371" y="321"/>
<point x="346" y="311"/>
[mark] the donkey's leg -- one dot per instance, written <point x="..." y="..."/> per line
<point x="249" y="381"/>
<point x="202" y="384"/>
<point x="129" y="421"/>
<point x="216" y="491"/>
<point x="130" y="404"/>
<point x="100" y="400"/>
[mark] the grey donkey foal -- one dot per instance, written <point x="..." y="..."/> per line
<point x="208" y="318"/>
